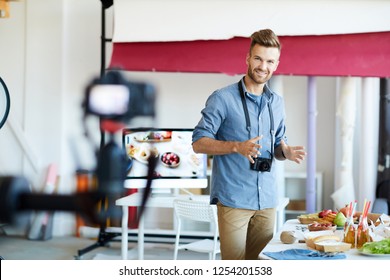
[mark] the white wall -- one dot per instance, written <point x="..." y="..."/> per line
<point x="50" y="50"/>
<point x="32" y="68"/>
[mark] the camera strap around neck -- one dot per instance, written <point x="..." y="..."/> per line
<point x="248" y="121"/>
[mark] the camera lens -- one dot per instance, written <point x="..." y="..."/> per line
<point x="264" y="165"/>
<point x="261" y="164"/>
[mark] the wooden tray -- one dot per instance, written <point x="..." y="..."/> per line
<point x="307" y="220"/>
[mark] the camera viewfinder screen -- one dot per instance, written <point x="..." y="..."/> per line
<point x="109" y="99"/>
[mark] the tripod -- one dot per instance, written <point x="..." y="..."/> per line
<point x="104" y="237"/>
<point x="111" y="170"/>
<point x="112" y="162"/>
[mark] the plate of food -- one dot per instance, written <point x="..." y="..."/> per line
<point x="194" y="161"/>
<point x="324" y="216"/>
<point x="154" y="136"/>
<point x="143" y="152"/>
<point x="316" y="226"/>
<point x="379" y="249"/>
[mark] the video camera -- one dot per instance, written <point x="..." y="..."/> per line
<point x="114" y="100"/>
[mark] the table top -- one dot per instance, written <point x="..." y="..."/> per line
<point x="157" y="200"/>
<point x="166" y="200"/>
<point x="275" y="245"/>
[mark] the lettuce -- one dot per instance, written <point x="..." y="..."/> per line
<point x="378" y="247"/>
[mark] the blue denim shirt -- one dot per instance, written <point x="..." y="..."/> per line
<point x="233" y="183"/>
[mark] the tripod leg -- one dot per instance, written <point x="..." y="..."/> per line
<point x="103" y="239"/>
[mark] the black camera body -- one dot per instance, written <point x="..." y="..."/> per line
<point x="115" y="98"/>
<point x="262" y="164"/>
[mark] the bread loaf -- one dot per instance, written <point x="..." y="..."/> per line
<point x="326" y="237"/>
<point x="287" y="237"/>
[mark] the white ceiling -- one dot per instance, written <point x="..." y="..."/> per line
<point x="187" y="20"/>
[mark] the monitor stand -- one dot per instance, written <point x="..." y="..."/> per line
<point x="162" y="193"/>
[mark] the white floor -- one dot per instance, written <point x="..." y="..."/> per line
<point x="66" y="248"/>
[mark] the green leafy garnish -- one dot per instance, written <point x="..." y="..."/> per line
<point x="378" y="247"/>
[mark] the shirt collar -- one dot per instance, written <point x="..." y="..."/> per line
<point x="267" y="92"/>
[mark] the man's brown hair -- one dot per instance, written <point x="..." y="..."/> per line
<point x="266" y="38"/>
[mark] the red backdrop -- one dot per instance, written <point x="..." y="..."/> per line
<point x="363" y="54"/>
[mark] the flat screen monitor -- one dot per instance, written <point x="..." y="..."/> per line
<point x="178" y="166"/>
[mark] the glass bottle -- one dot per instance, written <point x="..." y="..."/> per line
<point x="350" y="233"/>
<point x="363" y="234"/>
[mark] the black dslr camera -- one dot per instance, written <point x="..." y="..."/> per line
<point x="262" y="164"/>
<point x="113" y="97"/>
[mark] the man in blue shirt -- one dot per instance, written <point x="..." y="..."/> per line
<point x="243" y="127"/>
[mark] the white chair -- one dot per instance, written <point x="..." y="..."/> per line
<point x="196" y="210"/>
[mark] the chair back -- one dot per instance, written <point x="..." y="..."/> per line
<point x="195" y="210"/>
<point x="200" y="211"/>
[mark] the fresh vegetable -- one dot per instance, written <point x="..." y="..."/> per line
<point x="340" y="219"/>
<point x="377" y="247"/>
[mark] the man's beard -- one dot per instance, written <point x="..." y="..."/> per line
<point x="257" y="79"/>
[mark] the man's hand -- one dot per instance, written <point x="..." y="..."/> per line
<point x="250" y="148"/>
<point x="293" y="153"/>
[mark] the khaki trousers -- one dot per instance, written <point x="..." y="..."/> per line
<point x="244" y="233"/>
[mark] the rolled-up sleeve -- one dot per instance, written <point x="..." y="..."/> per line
<point x="212" y="117"/>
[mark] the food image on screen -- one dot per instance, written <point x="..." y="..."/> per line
<point x="142" y="152"/>
<point x="154" y="136"/>
<point x="171" y="148"/>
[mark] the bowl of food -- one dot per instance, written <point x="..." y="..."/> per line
<point x="170" y="159"/>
